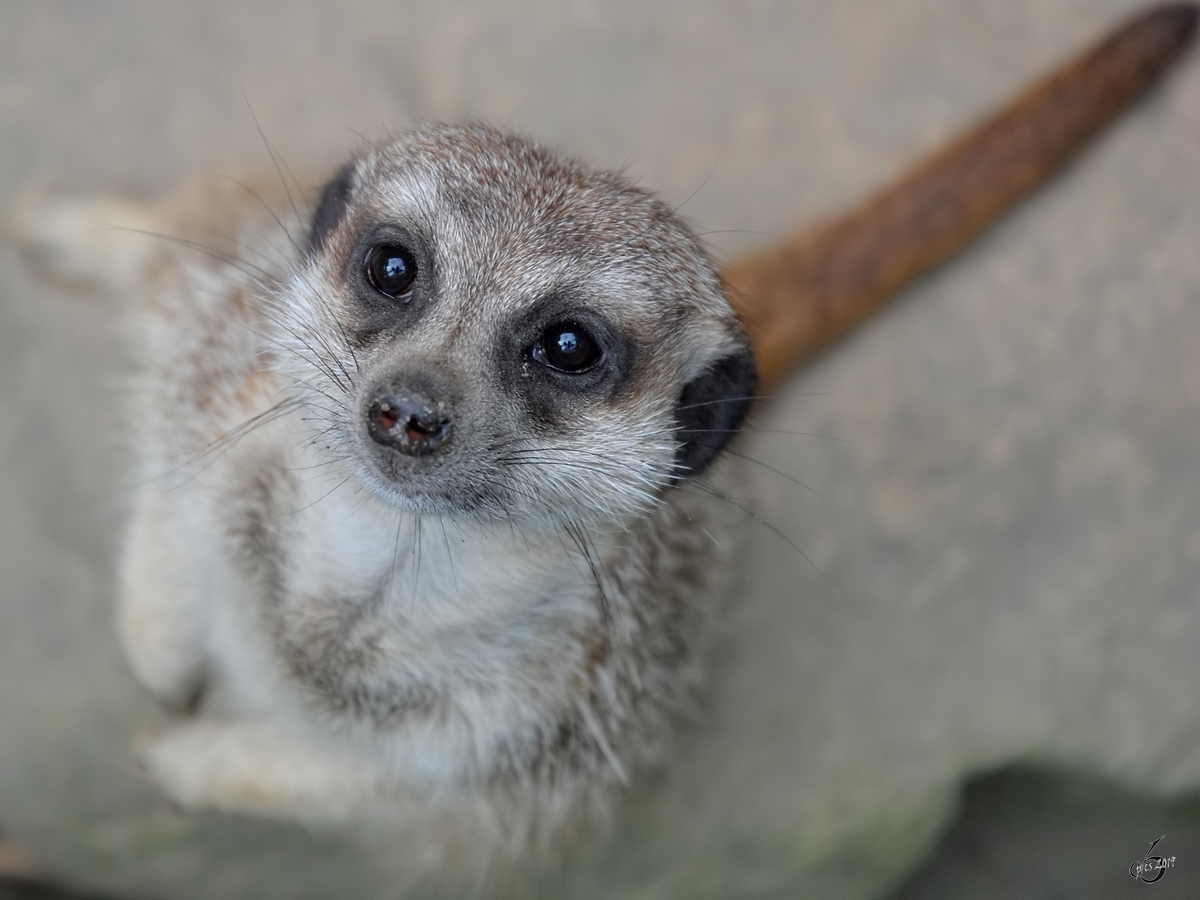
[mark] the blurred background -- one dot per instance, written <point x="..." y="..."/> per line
<point x="978" y="678"/>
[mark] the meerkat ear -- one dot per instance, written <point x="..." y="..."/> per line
<point x="711" y="409"/>
<point x="335" y="197"/>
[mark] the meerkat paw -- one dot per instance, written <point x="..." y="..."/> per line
<point x="257" y="769"/>
<point x="98" y="242"/>
<point x="160" y="617"/>
<point x="162" y="650"/>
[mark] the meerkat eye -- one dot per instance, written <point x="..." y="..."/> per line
<point x="391" y="269"/>
<point x="568" y="348"/>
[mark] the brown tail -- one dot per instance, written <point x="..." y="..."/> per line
<point x="799" y="297"/>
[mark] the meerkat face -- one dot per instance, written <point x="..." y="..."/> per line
<point x="482" y="327"/>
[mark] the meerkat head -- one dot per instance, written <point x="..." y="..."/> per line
<point x="484" y="327"/>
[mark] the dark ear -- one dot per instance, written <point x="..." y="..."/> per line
<point x="335" y="197"/>
<point x="711" y="409"/>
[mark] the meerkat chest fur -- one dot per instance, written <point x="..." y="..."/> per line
<point x="447" y="518"/>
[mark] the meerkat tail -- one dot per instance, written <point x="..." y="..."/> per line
<point x="800" y="296"/>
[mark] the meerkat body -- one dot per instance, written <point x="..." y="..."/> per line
<point x="496" y="601"/>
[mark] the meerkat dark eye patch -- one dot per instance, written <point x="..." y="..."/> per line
<point x="331" y="207"/>
<point x="711" y="409"/>
<point x="391" y="269"/>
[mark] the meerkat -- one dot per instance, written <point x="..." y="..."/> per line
<point x="455" y="549"/>
<point x="432" y="517"/>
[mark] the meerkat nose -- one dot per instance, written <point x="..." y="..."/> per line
<point x="408" y="424"/>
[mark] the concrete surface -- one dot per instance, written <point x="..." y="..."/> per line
<point x="1003" y="555"/>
